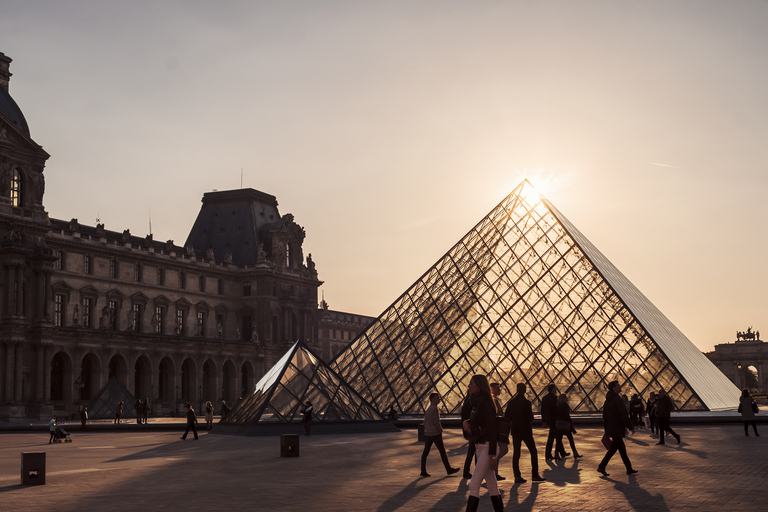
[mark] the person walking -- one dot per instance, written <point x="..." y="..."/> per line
<point x="519" y="413"/>
<point x="548" y="417"/>
<point x="307" y="419"/>
<point x="191" y="422"/>
<point x="83" y="417"/>
<point x="636" y="410"/>
<point x="748" y="408"/>
<point x="650" y="408"/>
<point x="481" y="426"/>
<point x="118" y="412"/>
<point x="224" y="410"/>
<point x="502" y="427"/>
<point x="209" y="415"/>
<point x="139" y="412"/>
<point x="145" y="410"/>
<point x="615" y="423"/>
<point x="52" y="430"/>
<point x="564" y="425"/>
<point x="466" y="410"/>
<point x="433" y="434"/>
<point x="663" y="412"/>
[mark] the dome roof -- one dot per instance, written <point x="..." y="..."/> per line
<point x="11" y="111"/>
<point x="8" y="108"/>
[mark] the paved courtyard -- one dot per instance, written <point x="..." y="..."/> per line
<point x="716" y="468"/>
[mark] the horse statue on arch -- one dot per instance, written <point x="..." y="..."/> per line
<point x="748" y="335"/>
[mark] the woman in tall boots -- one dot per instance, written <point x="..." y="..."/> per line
<point x="481" y="426"/>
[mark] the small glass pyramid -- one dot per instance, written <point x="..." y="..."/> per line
<point x="300" y="376"/>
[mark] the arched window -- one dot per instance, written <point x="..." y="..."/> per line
<point x="16" y="188"/>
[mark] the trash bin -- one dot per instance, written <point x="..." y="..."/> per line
<point x="32" y="468"/>
<point x="421" y="432"/>
<point x="289" y="445"/>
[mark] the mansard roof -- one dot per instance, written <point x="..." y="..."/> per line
<point x="235" y="222"/>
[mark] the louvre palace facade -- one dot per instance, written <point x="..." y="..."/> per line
<point x="173" y="323"/>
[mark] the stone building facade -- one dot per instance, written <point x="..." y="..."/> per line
<point x="736" y="359"/>
<point x="80" y="304"/>
<point x="336" y="330"/>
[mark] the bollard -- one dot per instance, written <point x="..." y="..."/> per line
<point x="289" y="445"/>
<point x="32" y="468"/>
<point x="421" y="432"/>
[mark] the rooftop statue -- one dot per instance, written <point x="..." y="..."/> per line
<point x="748" y="335"/>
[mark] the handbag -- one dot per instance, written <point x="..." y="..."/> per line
<point x="502" y="426"/>
<point x="754" y="408"/>
<point x="606" y="441"/>
<point x="563" y="426"/>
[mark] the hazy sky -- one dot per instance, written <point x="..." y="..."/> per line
<point x="390" y="128"/>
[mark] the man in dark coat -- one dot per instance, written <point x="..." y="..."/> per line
<point x="549" y="417"/>
<point x="664" y="407"/>
<point x="519" y="414"/>
<point x="191" y="420"/>
<point x="615" y="422"/>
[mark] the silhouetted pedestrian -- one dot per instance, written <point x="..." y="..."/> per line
<point x="433" y="434"/>
<point x="650" y="408"/>
<point x="191" y="422"/>
<point x="564" y="425"/>
<point x="615" y="423"/>
<point x="548" y="417"/>
<point x="636" y="410"/>
<point x="118" y="412"/>
<point x="748" y="409"/>
<point x="663" y="413"/>
<point x="466" y="409"/>
<point x="83" y="417"/>
<point x="481" y="425"/>
<point x="502" y="427"/>
<point x="145" y="410"/>
<point x="209" y="415"/>
<point x="307" y="419"/>
<point x="139" y="409"/>
<point x="519" y="413"/>
<point x="52" y="430"/>
<point x="224" y="410"/>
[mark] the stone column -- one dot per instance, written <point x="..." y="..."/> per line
<point x="19" y="290"/>
<point x="47" y="373"/>
<point x="10" y="360"/>
<point x="10" y="279"/>
<point x="40" y="374"/>
<point x="47" y="297"/>
<point x="17" y="397"/>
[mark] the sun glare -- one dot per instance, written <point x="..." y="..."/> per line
<point x="530" y="194"/>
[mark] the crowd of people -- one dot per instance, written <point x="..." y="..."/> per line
<point x="490" y="430"/>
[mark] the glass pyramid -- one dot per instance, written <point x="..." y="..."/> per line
<point x="104" y="404"/>
<point x="279" y="396"/>
<point x="525" y="297"/>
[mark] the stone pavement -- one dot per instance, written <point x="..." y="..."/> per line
<point x="716" y="468"/>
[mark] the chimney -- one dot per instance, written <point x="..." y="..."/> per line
<point x="5" y="74"/>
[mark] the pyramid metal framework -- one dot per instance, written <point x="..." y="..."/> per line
<point x="525" y="297"/>
<point x="300" y="376"/>
<point x="104" y="404"/>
